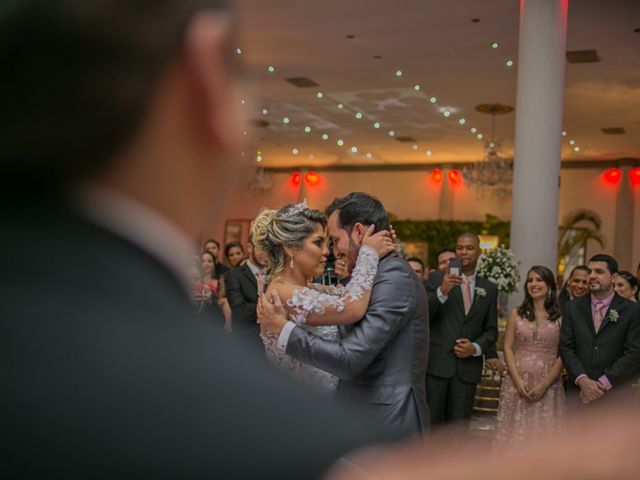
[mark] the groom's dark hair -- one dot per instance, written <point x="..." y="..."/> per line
<point x="359" y="207"/>
<point x="612" y="263"/>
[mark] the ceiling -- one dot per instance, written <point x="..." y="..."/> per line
<point x="436" y="45"/>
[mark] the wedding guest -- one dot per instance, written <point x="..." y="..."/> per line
<point x="205" y="303"/>
<point x="576" y="286"/>
<point x="532" y="394"/>
<point x="120" y="122"/>
<point x="442" y="258"/>
<point x="417" y="265"/>
<point x="463" y="314"/>
<point x="209" y="276"/>
<point x="213" y="286"/>
<point x="213" y="246"/>
<point x="626" y="285"/>
<point x="242" y="285"/>
<point x="600" y="339"/>
<point x="234" y="254"/>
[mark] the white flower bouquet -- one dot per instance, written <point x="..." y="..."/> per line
<point x="500" y="268"/>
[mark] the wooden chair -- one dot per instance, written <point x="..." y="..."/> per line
<point x="485" y="406"/>
<point x="487" y="396"/>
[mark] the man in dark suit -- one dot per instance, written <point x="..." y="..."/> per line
<point x="242" y="294"/>
<point x="600" y="339"/>
<point x="115" y="117"/>
<point x="463" y="322"/>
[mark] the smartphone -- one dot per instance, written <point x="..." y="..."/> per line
<point x="455" y="266"/>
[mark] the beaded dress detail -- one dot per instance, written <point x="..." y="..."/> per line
<point x="317" y="300"/>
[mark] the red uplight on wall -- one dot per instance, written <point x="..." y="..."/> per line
<point x="437" y="176"/>
<point x="296" y="178"/>
<point x="634" y="175"/>
<point x="312" y="178"/>
<point x="454" y="177"/>
<point x="613" y="175"/>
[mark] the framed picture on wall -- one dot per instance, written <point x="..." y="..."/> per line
<point x="237" y="231"/>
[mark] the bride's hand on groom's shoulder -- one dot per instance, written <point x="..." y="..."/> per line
<point x="394" y="236"/>
<point x="382" y="241"/>
<point x="271" y="313"/>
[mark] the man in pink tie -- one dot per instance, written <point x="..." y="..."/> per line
<point x="243" y="284"/>
<point x="600" y="338"/>
<point x="463" y="322"/>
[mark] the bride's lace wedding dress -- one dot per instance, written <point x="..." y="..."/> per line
<point x="316" y="299"/>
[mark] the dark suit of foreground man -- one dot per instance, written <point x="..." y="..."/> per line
<point x="115" y="118"/>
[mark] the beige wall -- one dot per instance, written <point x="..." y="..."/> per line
<point x="413" y="195"/>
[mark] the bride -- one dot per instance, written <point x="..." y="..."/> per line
<point x="294" y="239"/>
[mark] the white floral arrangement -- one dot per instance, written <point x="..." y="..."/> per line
<point x="613" y="315"/>
<point x="500" y="268"/>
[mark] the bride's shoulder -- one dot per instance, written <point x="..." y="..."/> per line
<point x="292" y="295"/>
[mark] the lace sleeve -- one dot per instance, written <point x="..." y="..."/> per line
<point x="307" y="300"/>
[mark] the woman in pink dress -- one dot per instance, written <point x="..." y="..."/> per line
<point x="532" y="401"/>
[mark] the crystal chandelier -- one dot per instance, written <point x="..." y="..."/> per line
<point x="257" y="178"/>
<point x="493" y="171"/>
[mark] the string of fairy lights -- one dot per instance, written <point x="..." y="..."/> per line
<point x="377" y="125"/>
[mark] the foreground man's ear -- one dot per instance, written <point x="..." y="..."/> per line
<point x="208" y="60"/>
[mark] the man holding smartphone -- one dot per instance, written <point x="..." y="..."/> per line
<point x="463" y="321"/>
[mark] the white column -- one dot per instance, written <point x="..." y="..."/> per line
<point x="536" y="173"/>
<point x="624" y="222"/>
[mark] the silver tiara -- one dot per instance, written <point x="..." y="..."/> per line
<point x="296" y="209"/>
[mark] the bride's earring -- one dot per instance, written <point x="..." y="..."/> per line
<point x="291" y="264"/>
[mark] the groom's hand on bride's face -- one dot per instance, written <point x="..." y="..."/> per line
<point x="271" y="313"/>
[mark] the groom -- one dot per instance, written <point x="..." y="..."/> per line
<point x="380" y="360"/>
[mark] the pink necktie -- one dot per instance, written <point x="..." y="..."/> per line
<point x="597" y="317"/>
<point x="260" y="281"/>
<point x="466" y="295"/>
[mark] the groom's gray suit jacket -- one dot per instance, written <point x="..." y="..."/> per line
<point x="381" y="360"/>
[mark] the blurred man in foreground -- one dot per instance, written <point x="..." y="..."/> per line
<point x="115" y="117"/>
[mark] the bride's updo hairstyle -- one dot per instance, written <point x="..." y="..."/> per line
<point x="273" y="230"/>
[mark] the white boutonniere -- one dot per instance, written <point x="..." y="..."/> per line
<point x="613" y="315"/>
<point x="481" y="292"/>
